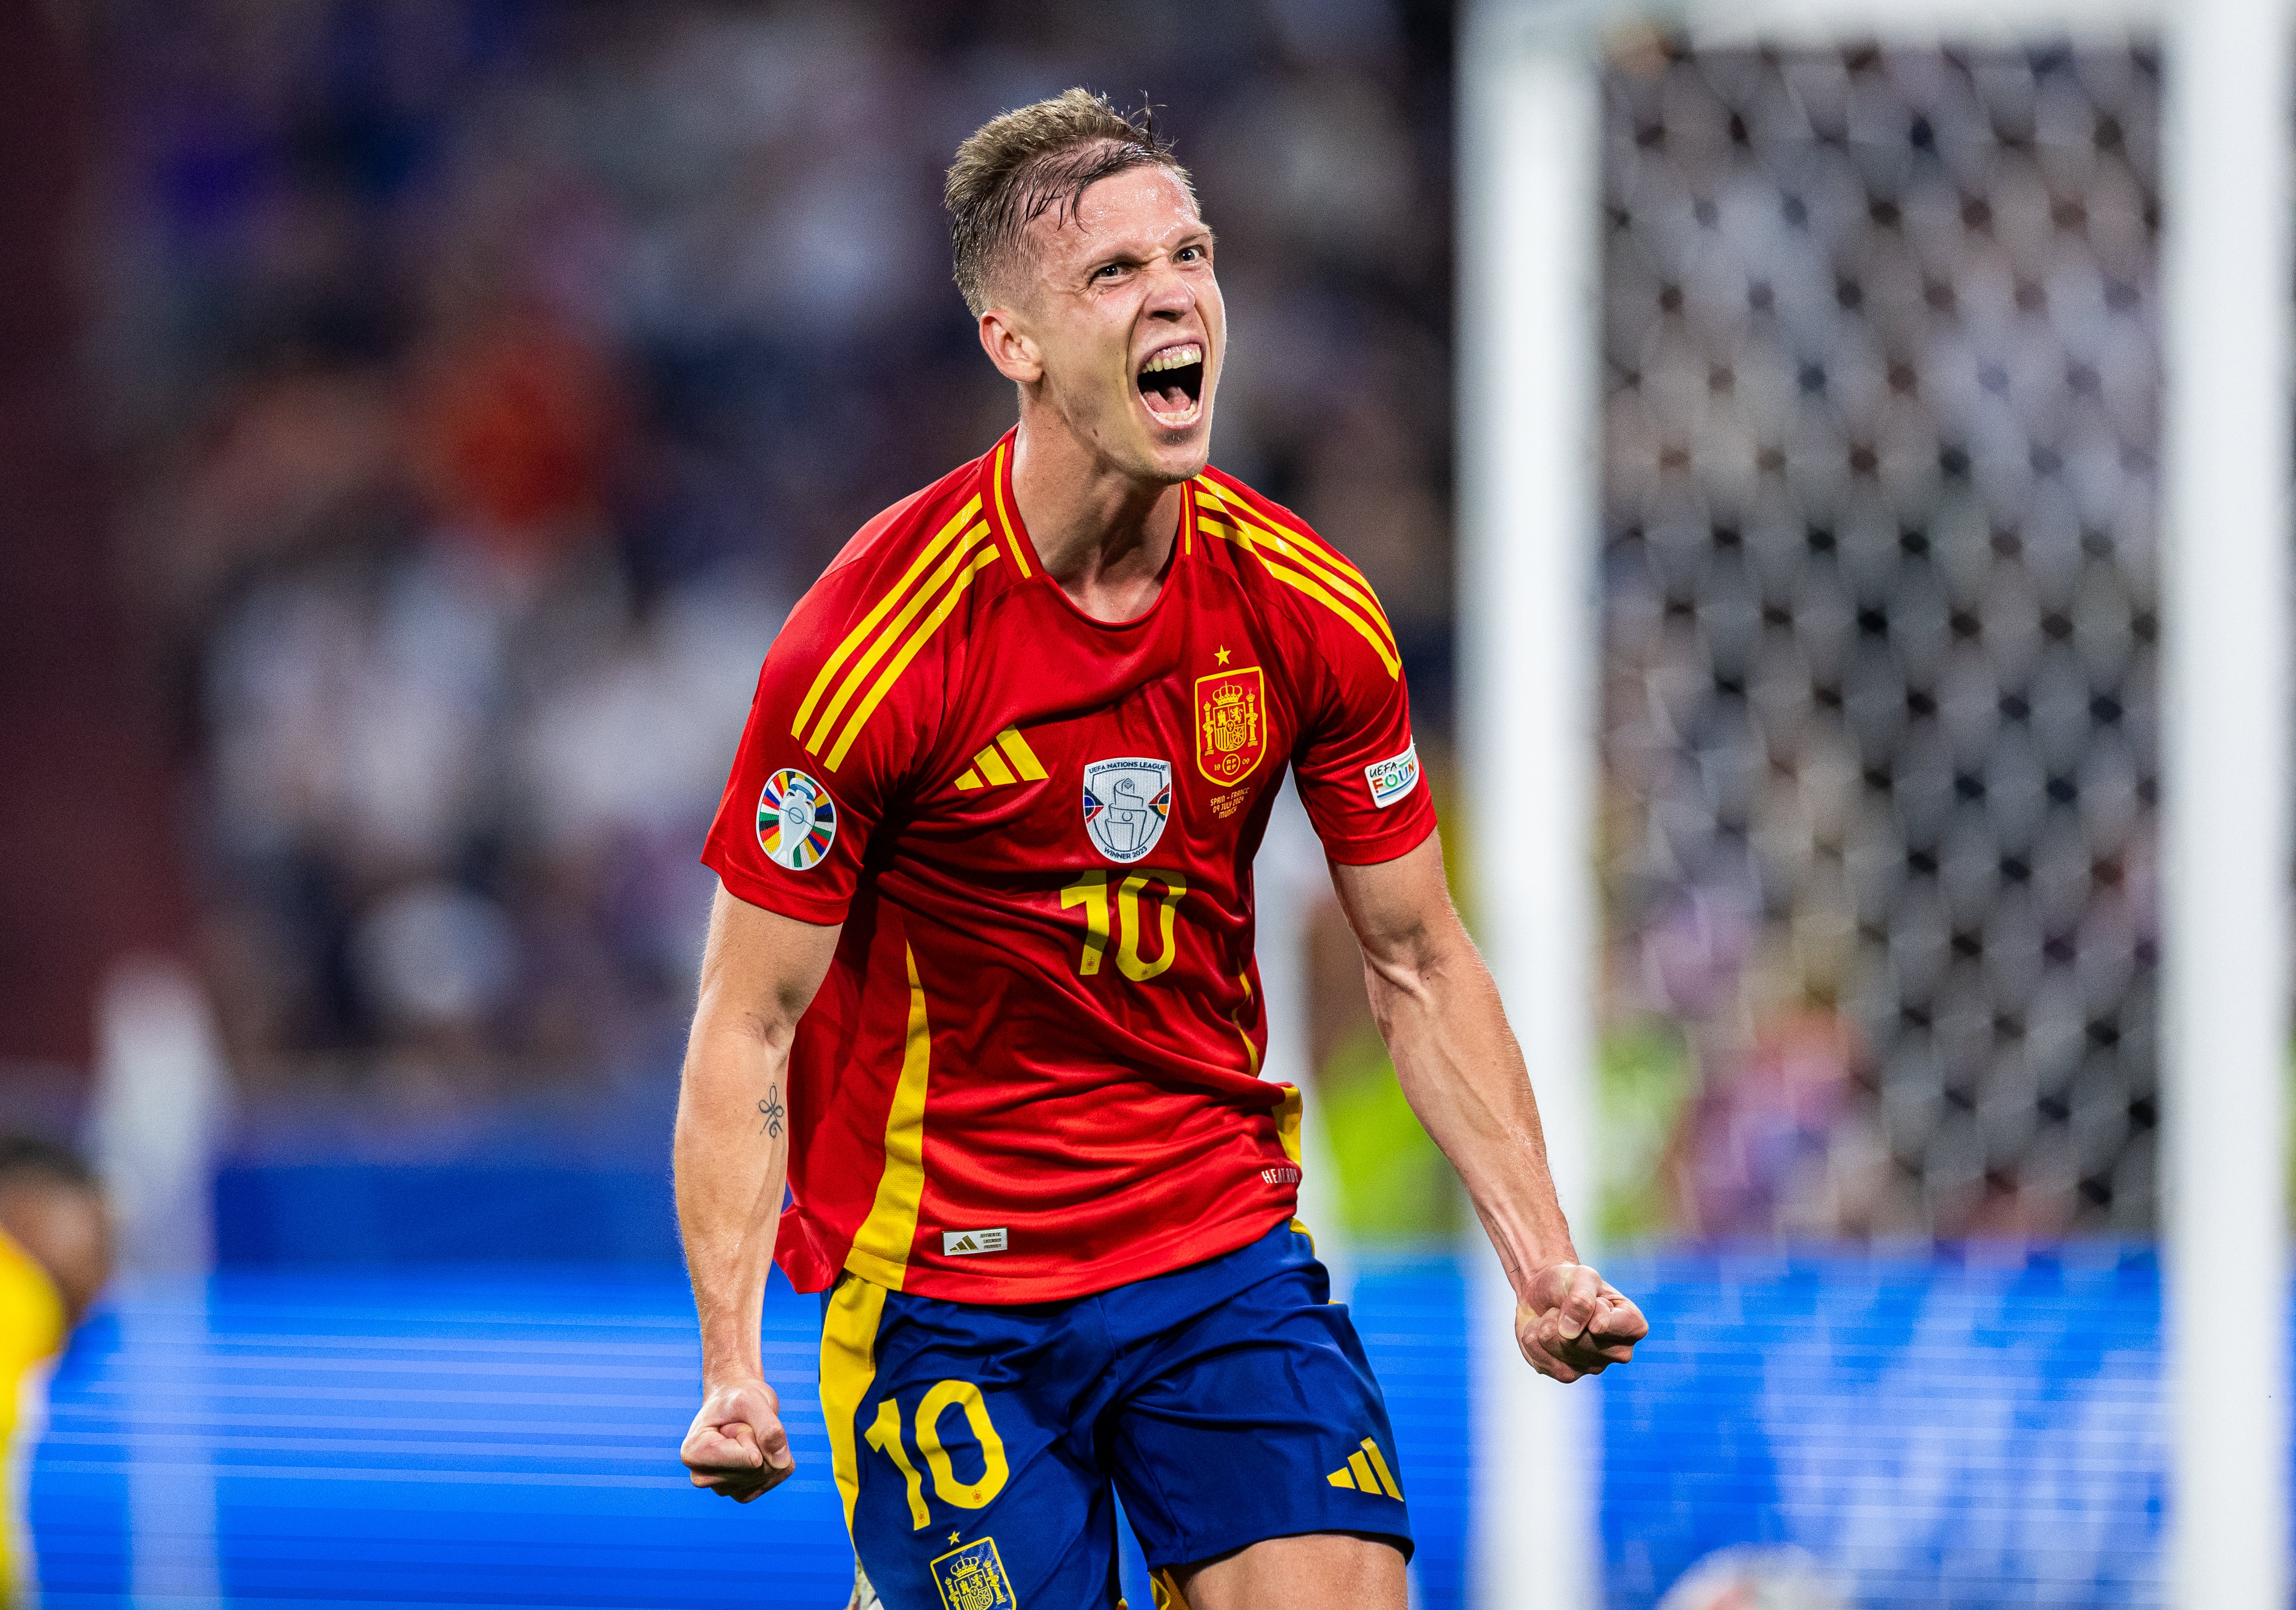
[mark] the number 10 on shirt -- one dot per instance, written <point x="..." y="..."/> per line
<point x="1090" y="892"/>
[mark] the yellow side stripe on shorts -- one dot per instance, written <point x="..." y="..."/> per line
<point x="849" y="1365"/>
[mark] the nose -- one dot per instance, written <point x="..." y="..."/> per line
<point x="1171" y="296"/>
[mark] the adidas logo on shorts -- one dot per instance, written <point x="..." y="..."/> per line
<point x="1367" y="1471"/>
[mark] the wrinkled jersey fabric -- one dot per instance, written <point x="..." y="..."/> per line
<point x="1032" y="1072"/>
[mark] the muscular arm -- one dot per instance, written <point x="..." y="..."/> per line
<point x="1464" y="1076"/>
<point x="758" y="974"/>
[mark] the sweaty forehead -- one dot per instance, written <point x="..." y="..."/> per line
<point x="1139" y="210"/>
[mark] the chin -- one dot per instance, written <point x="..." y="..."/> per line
<point x="1184" y="460"/>
<point x="1173" y="452"/>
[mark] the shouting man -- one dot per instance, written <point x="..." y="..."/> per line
<point x="979" y="983"/>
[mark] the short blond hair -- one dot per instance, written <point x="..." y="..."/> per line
<point x="1019" y="166"/>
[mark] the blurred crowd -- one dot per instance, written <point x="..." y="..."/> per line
<point x="486" y="378"/>
<point x="489" y="377"/>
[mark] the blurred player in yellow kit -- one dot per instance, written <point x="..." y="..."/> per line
<point x="55" y="1254"/>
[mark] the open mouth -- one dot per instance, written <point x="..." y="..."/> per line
<point x="1172" y="383"/>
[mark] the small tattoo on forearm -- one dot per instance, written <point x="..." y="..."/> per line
<point x="773" y="1112"/>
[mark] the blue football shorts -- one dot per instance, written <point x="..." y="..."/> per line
<point x="977" y="1447"/>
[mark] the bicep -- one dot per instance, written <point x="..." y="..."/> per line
<point x="761" y="969"/>
<point x="1400" y="910"/>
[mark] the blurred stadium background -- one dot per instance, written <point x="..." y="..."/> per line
<point x="420" y="416"/>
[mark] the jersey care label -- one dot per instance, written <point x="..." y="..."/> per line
<point x="964" y="1243"/>
<point x="1390" y="780"/>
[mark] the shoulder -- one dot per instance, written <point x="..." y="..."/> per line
<point x="1277" y="556"/>
<point x="860" y="643"/>
<point x="922" y="526"/>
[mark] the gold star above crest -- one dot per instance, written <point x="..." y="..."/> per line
<point x="952" y="1537"/>
<point x="1219" y="656"/>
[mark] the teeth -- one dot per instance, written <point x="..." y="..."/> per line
<point x="1176" y="358"/>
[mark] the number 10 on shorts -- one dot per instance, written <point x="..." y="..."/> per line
<point x="884" y="1435"/>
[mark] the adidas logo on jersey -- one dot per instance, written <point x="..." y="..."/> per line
<point x="1367" y="1472"/>
<point x="990" y="767"/>
<point x="964" y="1244"/>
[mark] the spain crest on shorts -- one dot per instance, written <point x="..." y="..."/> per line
<point x="973" y="1578"/>
<point x="1127" y="802"/>
<point x="797" y="821"/>
<point x="1231" y="724"/>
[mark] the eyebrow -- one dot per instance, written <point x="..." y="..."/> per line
<point x="1201" y="235"/>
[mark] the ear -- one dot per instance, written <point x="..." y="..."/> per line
<point x="1009" y="347"/>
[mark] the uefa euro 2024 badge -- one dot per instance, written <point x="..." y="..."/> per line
<point x="1126" y="804"/>
<point x="797" y="821"/>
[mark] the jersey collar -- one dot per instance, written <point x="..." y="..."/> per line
<point x="1004" y="509"/>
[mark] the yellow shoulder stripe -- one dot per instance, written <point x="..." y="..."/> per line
<point x="1206" y="486"/>
<point x="1312" y="551"/>
<point x="939" y="612"/>
<point x="869" y="622"/>
<point x="1003" y="520"/>
<point x="1319" y="558"/>
<point x="867" y="661"/>
<point x="1381" y="642"/>
<point x="1322" y="563"/>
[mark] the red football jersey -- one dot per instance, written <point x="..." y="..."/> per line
<point x="1032" y="1072"/>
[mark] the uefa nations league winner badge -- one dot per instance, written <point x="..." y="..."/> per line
<point x="797" y="821"/>
<point x="1126" y="804"/>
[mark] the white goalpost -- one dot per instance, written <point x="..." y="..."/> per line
<point x="1530" y="262"/>
<point x="1528" y="397"/>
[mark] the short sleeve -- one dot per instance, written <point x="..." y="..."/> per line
<point x="801" y="806"/>
<point x="1357" y="767"/>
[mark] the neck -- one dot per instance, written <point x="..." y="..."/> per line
<point x="1103" y="536"/>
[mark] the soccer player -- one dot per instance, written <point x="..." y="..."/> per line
<point x="980" y="984"/>
<point x="55" y="1254"/>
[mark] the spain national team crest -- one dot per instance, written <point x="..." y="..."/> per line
<point x="1231" y="724"/>
<point x="973" y="1578"/>
<point x="1126" y="804"/>
<point x="797" y="821"/>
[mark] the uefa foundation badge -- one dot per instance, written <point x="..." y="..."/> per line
<point x="797" y="821"/>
